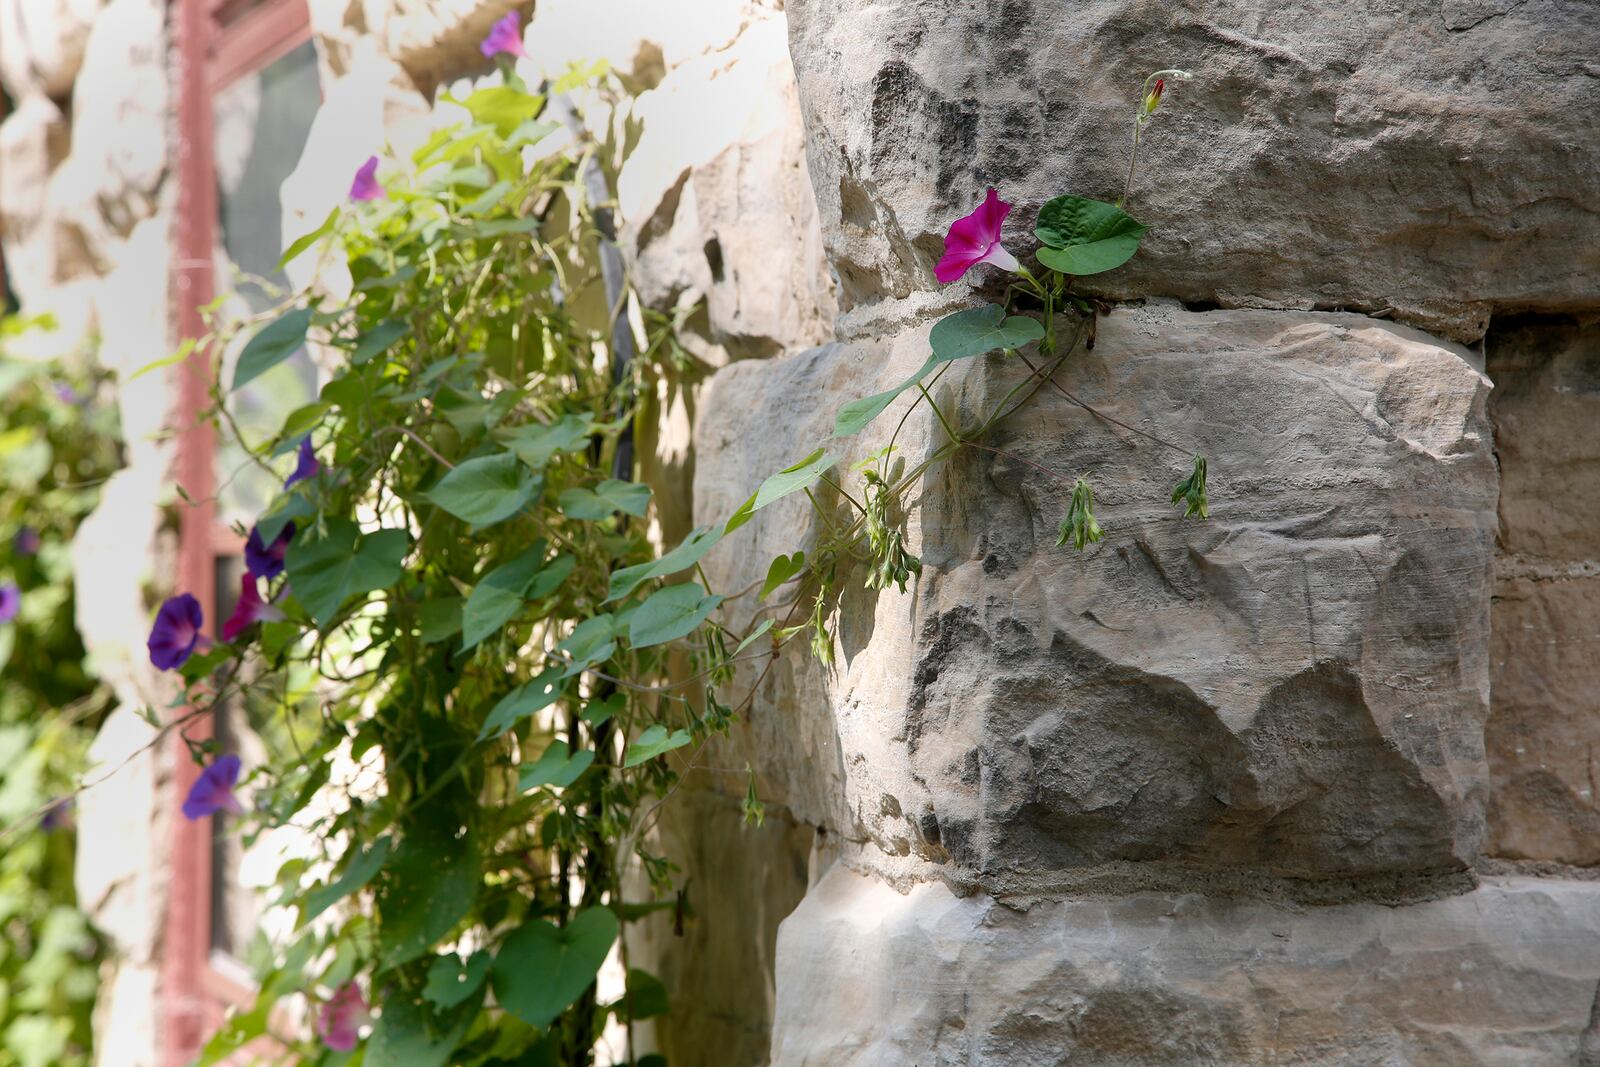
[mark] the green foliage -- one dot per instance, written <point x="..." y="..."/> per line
<point x="1080" y="526"/>
<point x="1083" y="236"/>
<point x="58" y="443"/>
<point x="1192" y="492"/>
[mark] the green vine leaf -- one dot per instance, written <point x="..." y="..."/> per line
<point x="794" y="478"/>
<point x="605" y="500"/>
<point x="555" y="767"/>
<point x="542" y="969"/>
<point x="523" y="701"/>
<point x="277" y="341"/>
<point x="669" y="614"/>
<point x="856" y="415"/>
<point x="429" y="884"/>
<point x="485" y="490"/>
<point x="974" y="331"/>
<point x="360" y="870"/>
<point x="1086" y="236"/>
<point x="536" y="444"/>
<point x="326" y="572"/>
<point x="502" y="592"/>
<point x="306" y="240"/>
<point x="781" y="570"/>
<point x="410" y="1033"/>
<point x="591" y="641"/>
<point x="751" y="637"/>
<point x="686" y="555"/>
<point x="378" y="340"/>
<point x="654" y="742"/>
<point x="450" y="981"/>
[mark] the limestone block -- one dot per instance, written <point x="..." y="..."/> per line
<point x="719" y="204"/>
<point x="869" y="978"/>
<point x="123" y="888"/>
<point x="1401" y="156"/>
<point x="42" y="44"/>
<point x="33" y="141"/>
<point x="125" y="1022"/>
<point x="1546" y="412"/>
<point x="1543" y="737"/>
<point x="1296" y="687"/>
<point x="434" y="40"/>
<point x="643" y="38"/>
<point x="119" y="115"/>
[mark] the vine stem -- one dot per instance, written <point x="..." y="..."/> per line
<point x="415" y="437"/>
<point x="1020" y="459"/>
<point x="1097" y="413"/>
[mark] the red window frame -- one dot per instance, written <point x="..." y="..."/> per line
<point x="216" y="42"/>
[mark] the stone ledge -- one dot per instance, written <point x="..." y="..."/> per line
<point x="867" y="976"/>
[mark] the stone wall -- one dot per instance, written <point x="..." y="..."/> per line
<point x="1313" y="782"/>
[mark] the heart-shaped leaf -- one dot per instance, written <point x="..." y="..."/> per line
<point x="325" y="573"/>
<point x="485" y="490"/>
<point x="360" y="870"/>
<point x="978" y="330"/>
<point x="686" y="555"/>
<point x="542" y="969"/>
<point x="278" y="340"/>
<point x="523" y="701"/>
<point x="605" y="499"/>
<point x="410" y="1033"/>
<point x="378" y="340"/>
<point x="429" y="883"/>
<point x="591" y="641"/>
<point x="555" y="767"/>
<point x="537" y="444"/>
<point x="502" y="592"/>
<point x="1086" y="236"/>
<point x="450" y="981"/>
<point x="654" y="742"/>
<point x="782" y="569"/>
<point x="669" y="614"/>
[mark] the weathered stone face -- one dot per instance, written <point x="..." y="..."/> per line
<point x="1297" y="687"/>
<point x="1430" y="160"/>
<point x="1544" y="735"/>
<point x="41" y="44"/>
<point x="869" y="978"/>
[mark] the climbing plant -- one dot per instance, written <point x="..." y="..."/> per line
<point x="57" y="444"/>
<point x="476" y="663"/>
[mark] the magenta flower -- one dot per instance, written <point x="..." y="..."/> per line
<point x="57" y="817"/>
<point x="341" y="1017"/>
<point x="213" y="790"/>
<point x="366" y="186"/>
<point x="176" y="632"/>
<point x="505" y="38"/>
<point x="10" y="601"/>
<point x="250" y="609"/>
<point x="1152" y="99"/>
<point x="975" y="239"/>
<point x="306" y="466"/>
<point x="26" y="542"/>
<point x="266" y="561"/>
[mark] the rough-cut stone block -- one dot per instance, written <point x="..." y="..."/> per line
<point x="719" y="204"/>
<point x="434" y="40"/>
<point x="1543" y="737"/>
<point x="119" y="117"/>
<point x="1546" y="414"/>
<point x="41" y="44"/>
<point x="33" y="141"/>
<point x="868" y="978"/>
<point x="1297" y="687"/>
<point x="1433" y="160"/>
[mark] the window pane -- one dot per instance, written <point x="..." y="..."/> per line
<point x="262" y="122"/>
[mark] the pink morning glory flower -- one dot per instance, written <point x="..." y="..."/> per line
<point x="975" y="239"/>
<point x="266" y="561"/>
<point x="505" y="38"/>
<point x="250" y="609"/>
<point x="176" y="632"/>
<point x="26" y="542"/>
<point x="57" y="817"/>
<point x="306" y="465"/>
<point x="341" y="1017"/>
<point x="10" y="601"/>
<point x="365" y="186"/>
<point x="213" y="790"/>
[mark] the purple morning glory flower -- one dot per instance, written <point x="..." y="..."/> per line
<point x="26" y="542"/>
<point x="176" y="632"/>
<point x="10" y="601"/>
<point x="250" y="609"/>
<point x="213" y="790"/>
<point x="339" y="1021"/>
<point x="307" y="465"/>
<point x="58" y="816"/>
<point x="67" y="394"/>
<point x="266" y="561"/>
<point x="505" y="38"/>
<point x="365" y="186"/>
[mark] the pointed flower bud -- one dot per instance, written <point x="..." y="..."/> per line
<point x="1192" y="491"/>
<point x="1080" y="526"/>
